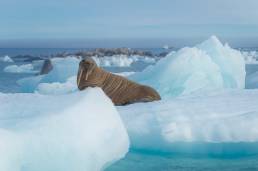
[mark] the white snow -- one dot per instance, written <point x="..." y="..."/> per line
<point x="205" y="67"/>
<point x="66" y="132"/>
<point x="124" y="74"/>
<point x="6" y="59"/>
<point x="219" y="117"/>
<point x="25" y="68"/>
<point x="121" y="60"/>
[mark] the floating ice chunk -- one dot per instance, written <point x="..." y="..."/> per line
<point x="67" y="132"/>
<point x="208" y="66"/>
<point x="230" y="61"/>
<point x="214" y="119"/>
<point x="26" y="68"/>
<point x="121" y="60"/>
<point x="6" y="59"/>
<point x="57" y="88"/>
<point x="63" y="69"/>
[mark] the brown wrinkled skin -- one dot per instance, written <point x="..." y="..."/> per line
<point x="119" y="89"/>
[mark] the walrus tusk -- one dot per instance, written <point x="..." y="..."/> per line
<point x="79" y="78"/>
<point x="87" y="74"/>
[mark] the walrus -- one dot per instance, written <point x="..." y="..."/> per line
<point x="119" y="89"/>
<point x="47" y="67"/>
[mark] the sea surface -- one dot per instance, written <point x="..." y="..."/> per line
<point x="139" y="160"/>
<point x="142" y="161"/>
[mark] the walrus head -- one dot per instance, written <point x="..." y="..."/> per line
<point x="86" y="68"/>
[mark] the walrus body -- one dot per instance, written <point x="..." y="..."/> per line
<point x="119" y="89"/>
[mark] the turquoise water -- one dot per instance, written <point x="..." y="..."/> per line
<point x="140" y="161"/>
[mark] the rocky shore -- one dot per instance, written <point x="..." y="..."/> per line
<point x="98" y="52"/>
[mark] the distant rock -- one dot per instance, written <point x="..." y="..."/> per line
<point x="101" y="52"/>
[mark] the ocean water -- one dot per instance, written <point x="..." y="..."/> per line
<point x="142" y="161"/>
<point x="137" y="160"/>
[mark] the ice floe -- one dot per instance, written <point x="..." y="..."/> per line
<point x="25" y="68"/>
<point x="205" y="67"/>
<point x="211" y="121"/>
<point x="67" y="132"/>
<point x="57" y="88"/>
<point x="63" y="69"/>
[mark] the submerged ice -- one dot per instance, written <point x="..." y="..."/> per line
<point x="68" y="132"/>
<point x="207" y="66"/>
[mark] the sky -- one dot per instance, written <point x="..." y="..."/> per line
<point x="79" y="23"/>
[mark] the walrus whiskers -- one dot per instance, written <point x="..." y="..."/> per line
<point x="119" y="89"/>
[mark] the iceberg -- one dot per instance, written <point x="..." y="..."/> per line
<point x="6" y="59"/>
<point x="25" y="68"/>
<point x="205" y="67"/>
<point x="65" y="132"/>
<point x="63" y="70"/>
<point x="216" y="123"/>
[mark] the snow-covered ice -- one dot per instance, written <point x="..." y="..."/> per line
<point x="122" y="60"/>
<point x="66" y="132"/>
<point x="25" y="68"/>
<point x="216" y="118"/>
<point x="205" y="67"/>
<point x="57" y="88"/>
<point x="125" y="74"/>
<point x="6" y="59"/>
